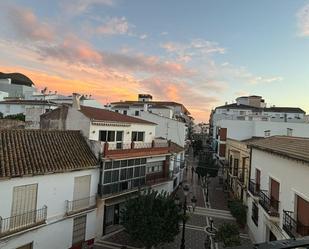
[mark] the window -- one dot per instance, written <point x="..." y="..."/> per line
<point x="116" y="164"/>
<point x="115" y="175"/>
<point x="155" y="167"/>
<point x="79" y="230"/>
<point x="119" y="136"/>
<point x="136" y="171"/>
<point x="130" y="173"/>
<point x="125" y="112"/>
<point x="124" y="163"/>
<point x="117" y="111"/>
<point x="123" y="174"/>
<point x="107" y="177"/>
<point x="108" y="165"/>
<point x="136" y="113"/>
<point x="255" y="213"/>
<point x="111" y="136"/>
<point x="24" y="201"/>
<point x="138" y="136"/>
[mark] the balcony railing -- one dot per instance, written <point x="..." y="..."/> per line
<point x="293" y="227"/>
<point x="254" y="188"/>
<point x="241" y="177"/>
<point x="119" y="146"/>
<point x="270" y="205"/>
<point x="23" y="221"/>
<point x="80" y="205"/>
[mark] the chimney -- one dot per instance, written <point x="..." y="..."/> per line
<point x="145" y="107"/>
<point x="76" y="101"/>
<point x="289" y="132"/>
<point x="267" y="133"/>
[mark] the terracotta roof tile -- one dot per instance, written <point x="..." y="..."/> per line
<point x="36" y="152"/>
<point x="106" y="115"/>
<point x="291" y="147"/>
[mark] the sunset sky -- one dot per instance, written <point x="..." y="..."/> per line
<point x="200" y="53"/>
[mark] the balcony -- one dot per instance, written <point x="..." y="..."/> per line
<point x="157" y="178"/>
<point x="293" y="227"/>
<point x="254" y="188"/>
<point x="80" y="205"/>
<point x="23" y="221"/>
<point x="270" y="205"/>
<point x="121" y="149"/>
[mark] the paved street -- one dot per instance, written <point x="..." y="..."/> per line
<point x="195" y="233"/>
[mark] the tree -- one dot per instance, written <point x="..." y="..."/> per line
<point x="207" y="165"/>
<point x="228" y="233"/>
<point x="239" y="211"/>
<point x="18" y="116"/>
<point x="1" y="115"/>
<point x="151" y="219"/>
<point x="197" y="146"/>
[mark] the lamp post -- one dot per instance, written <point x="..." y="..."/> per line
<point x="185" y="208"/>
<point x="205" y="184"/>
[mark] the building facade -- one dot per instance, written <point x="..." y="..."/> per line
<point x="48" y="180"/>
<point x="278" y="202"/>
<point x="132" y="158"/>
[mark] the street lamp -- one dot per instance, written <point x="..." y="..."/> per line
<point x="184" y="206"/>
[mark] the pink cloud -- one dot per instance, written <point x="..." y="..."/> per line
<point x="28" y="26"/>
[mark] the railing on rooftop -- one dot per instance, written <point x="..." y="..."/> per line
<point x="80" y="205"/>
<point x="134" y="145"/>
<point x="270" y="205"/>
<point x="23" y="221"/>
<point x="293" y="227"/>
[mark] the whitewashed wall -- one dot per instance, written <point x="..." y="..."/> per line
<point x="293" y="178"/>
<point x="53" y="191"/>
<point x="127" y="131"/>
<point x="167" y="128"/>
<point x="240" y="129"/>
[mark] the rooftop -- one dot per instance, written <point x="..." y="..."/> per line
<point x="259" y="109"/>
<point x="17" y="78"/>
<point x="292" y="147"/>
<point x="26" y="102"/>
<point x="106" y="115"/>
<point x="38" y="152"/>
<point x="159" y="103"/>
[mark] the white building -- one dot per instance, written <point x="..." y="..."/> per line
<point x="132" y="156"/>
<point x="278" y="203"/>
<point x="48" y="180"/>
<point x="249" y="117"/>
<point x="145" y="103"/>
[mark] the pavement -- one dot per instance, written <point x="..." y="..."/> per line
<point x="215" y="210"/>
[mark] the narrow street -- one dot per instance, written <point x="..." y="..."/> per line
<point x="200" y="219"/>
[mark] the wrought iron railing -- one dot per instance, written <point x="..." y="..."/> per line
<point x="80" y="204"/>
<point x="270" y="205"/>
<point x="22" y="221"/>
<point x="293" y="227"/>
<point x="253" y="188"/>
<point x="241" y="177"/>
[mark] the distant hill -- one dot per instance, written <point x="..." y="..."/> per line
<point x="17" y="78"/>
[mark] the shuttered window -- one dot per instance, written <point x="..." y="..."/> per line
<point x="23" y="205"/>
<point x="79" y="229"/>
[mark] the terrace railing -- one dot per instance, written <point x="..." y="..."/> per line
<point x="22" y="221"/>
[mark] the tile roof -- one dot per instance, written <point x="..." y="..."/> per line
<point x="106" y="115"/>
<point x="291" y="147"/>
<point x="37" y="152"/>
<point x="284" y="109"/>
<point x="240" y="106"/>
